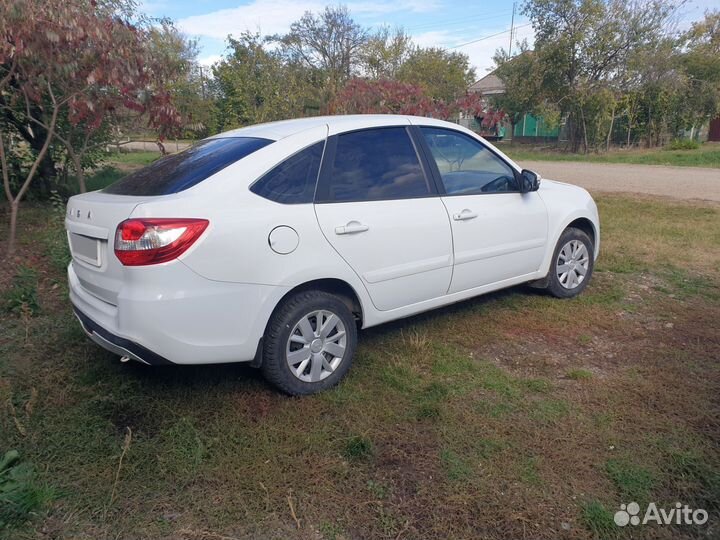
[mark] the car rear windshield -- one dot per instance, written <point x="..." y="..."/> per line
<point x="177" y="172"/>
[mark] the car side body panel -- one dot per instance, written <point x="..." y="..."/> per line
<point x="213" y="303"/>
<point x="565" y="204"/>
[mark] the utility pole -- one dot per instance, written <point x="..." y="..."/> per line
<point x="512" y="29"/>
<point x="202" y="81"/>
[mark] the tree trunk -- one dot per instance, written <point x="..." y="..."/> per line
<point x="46" y="167"/>
<point x="14" y="207"/>
<point x="79" y="173"/>
<point x="609" y="136"/>
<point x="81" y="180"/>
<point x="15" y="201"/>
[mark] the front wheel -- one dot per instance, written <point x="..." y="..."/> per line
<point x="572" y="264"/>
<point x="309" y="343"/>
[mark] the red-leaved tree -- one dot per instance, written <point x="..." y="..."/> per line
<point x="363" y="96"/>
<point x="74" y="59"/>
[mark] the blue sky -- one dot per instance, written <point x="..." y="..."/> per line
<point x="444" y="23"/>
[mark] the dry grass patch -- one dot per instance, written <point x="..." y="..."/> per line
<point x="509" y="416"/>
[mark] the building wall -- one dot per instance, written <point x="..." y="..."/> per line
<point x="532" y="126"/>
<point x="714" y="131"/>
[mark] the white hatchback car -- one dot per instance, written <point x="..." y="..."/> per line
<point x="272" y="244"/>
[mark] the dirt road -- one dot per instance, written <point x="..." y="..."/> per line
<point x="677" y="182"/>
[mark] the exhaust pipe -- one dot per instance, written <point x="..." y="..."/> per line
<point x="124" y="359"/>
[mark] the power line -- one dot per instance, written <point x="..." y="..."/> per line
<point x="488" y="37"/>
<point x="486" y="16"/>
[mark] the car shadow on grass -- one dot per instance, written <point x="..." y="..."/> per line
<point x="240" y="376"/>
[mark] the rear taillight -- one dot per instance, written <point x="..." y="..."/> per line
<point x="152" y="241"/>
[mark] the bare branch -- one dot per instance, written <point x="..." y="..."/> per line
<point x="5" y="172"/>
<point x="40" y="156"/>
<point x="10" y="72"/>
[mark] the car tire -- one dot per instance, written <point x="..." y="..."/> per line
<point x="572" y="264"/>
<point x="309" y="343"/>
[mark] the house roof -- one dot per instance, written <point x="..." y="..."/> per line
<point x="489" y="85"/>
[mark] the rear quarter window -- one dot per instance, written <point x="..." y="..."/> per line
<point x="177" y="172"/>
<point x="292" y="181"/>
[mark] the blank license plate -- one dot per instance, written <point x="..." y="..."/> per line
<point x="85" y="248"/>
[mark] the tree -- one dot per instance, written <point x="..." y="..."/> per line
<point x="444" y="75"/>
<point x="521" y="76"/>
<point x="653" y="91"/>
<point x="384" y="96"/>
<point x="175" y="68"/>
<point x="76" y="59"/>
<point x="701" y="62"/>
<point x="254" y="83"/>
<point x="385" y="52"/>
<point x="583" y="47"/>
<point x="331" y="42"/>
<point x="363" y="96"/>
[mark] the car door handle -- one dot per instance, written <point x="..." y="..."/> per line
<point x="465" y="214"/>
<point x="352" y="227"/>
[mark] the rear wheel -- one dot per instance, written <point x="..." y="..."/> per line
<point x="572" y="264"/>
<point x="309" y="343"/>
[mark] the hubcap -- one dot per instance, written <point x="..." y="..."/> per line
<point x="316" y="346"/>
<point x="572" y="264"/>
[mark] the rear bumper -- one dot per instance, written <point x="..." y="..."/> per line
<point x="167" y="314"/>
<point x="116" y="344"/>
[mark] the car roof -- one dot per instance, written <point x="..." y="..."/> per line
<point x="336" y="124"/>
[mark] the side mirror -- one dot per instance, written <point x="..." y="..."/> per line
<point x="529" y="181"/>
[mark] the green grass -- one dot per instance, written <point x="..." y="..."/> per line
<point x="358" y="447"/>
<point x="103" y="177"/>
<point x="116" y="166"/>
<point x="708" y="155"/>
<point x="599" y="520"/>
<point x="456" y="467"/>
<point x="557" y="410"/>
<point x="132" y="158"/>
<point x="579" y="374"/>
<point x="21" y="495"/>
<point x="529" y="473"/>
<point x="634" y="482"/>
<point x="22" y="295"/>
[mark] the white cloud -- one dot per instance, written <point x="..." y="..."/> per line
<point x="480" y="52"/>
<point x="435" y="38"/>
<point x="153" y="7"/>
<point x="414" y="6"/>
<point x="210" y="59"/>
<point x="276" y="16"/>
<point x="265" y="16"/>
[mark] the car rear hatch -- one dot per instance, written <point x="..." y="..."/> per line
<point x="91" y="221"/>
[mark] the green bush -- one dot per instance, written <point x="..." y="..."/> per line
<point x="55" y="239"/>
<point x="20" y="494"/>
<point x="684" y="144"/>
<point x="358" y="447"/>
<point x="22" y="296"/>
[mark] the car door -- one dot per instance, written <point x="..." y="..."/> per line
<point x="498" y="232"/>
<point x="379" y="209"/>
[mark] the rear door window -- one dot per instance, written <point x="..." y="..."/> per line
<point x="178" y="172"/>
<point x="374" y="165"/>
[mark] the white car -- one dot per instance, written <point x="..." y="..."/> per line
<point x="273" y="244"/>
